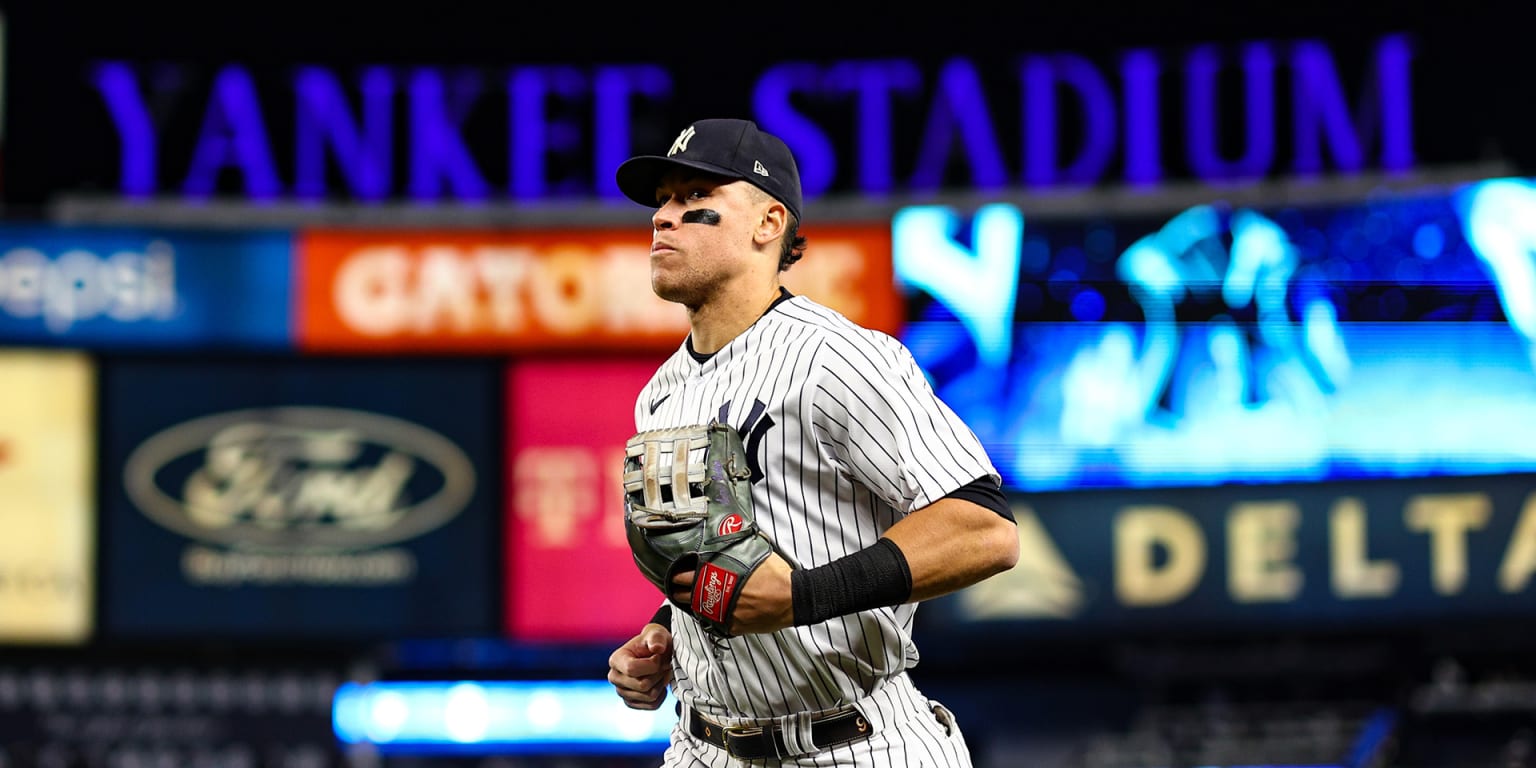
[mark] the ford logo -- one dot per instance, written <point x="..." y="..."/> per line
<point x="298" y="478"/>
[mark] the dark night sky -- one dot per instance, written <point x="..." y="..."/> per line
<point x="715" y="34"/>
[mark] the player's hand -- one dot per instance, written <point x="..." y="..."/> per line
<point x="641" y="669"/>
<point x="765" y="605"/>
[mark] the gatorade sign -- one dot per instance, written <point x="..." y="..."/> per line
<point x="540" y="290"/>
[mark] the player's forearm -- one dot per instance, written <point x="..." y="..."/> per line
<point x="939" y="549"/>
<point x="952" y="544"/>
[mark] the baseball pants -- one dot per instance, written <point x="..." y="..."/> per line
<point x="910" y="731"/>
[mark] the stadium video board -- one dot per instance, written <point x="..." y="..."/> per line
<point x="1393" y="337"/>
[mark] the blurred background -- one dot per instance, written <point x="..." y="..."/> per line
<point x="320" y="330"/>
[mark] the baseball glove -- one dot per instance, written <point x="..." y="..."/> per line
<point x="688" y="506"/>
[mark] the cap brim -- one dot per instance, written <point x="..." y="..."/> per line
<point x="639" y="177"/>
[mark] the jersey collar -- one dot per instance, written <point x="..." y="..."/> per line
<point x="701" y="358"/>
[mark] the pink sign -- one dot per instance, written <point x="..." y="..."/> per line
<point x="570" y="575"/>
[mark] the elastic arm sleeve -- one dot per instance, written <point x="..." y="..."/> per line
<point x="873" y="577"/>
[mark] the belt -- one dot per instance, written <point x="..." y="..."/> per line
<point x="754" y="742"/>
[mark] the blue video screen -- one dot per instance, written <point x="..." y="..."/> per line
<point x="1391" y="337"/>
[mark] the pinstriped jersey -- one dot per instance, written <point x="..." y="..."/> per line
<point x="844" y="437"/>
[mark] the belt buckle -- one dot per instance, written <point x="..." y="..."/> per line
<point x="740" y="731"/>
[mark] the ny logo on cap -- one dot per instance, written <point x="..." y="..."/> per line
<point x="757" y="168"/>
<point x="680" y="144"/>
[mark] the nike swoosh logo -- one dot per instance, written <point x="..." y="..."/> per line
<point x="658" y="401"/>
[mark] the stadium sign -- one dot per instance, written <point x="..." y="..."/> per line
<point x="1214" y="113"/>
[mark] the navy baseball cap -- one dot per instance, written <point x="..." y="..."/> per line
<point x="736" y="149"/>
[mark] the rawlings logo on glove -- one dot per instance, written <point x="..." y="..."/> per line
<point x="718" y="591"/>
<point x="688" y="506"/>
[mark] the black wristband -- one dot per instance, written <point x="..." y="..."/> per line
<point x="873" y="577"/>
<point x="663" y="616"/>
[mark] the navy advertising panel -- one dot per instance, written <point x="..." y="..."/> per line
<point x="1390" y="337"/>
<point x="1356" y="555"/>
<point x="121" y="287"/>
<point x="278" y="498"/>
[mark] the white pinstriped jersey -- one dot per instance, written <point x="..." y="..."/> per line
<point x="845" y="437"/>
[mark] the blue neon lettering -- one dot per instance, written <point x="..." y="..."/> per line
<point x="535" y="134"/>
<point x="1393" y="58"/>
<point x="1139" y="70"/>
<point x="363" y="152"/>
<point x="233" y="136"/>
<point x="1320" y="108"/>
<point x="1201" y="70"/>
<point x="771" y="104"/>
<point x="959" y="103"/>
<point x="437" y="149"/>
<point x="1041" y="75"/>
<point x="612" y="90"/>
<point x="841" y="119"/>
<point x="135" y="132"/>
<point x="874" y="84"/>
<point x="1322" y="116"/>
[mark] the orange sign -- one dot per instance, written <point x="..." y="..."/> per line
<point x="541" y="289"/>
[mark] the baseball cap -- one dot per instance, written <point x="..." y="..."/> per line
<point x="737" y="149"/>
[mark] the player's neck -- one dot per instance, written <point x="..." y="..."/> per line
<point x="716" y="322"/>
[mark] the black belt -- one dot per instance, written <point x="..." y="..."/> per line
<point x="751" y="742"/>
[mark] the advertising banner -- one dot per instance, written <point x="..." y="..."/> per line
<point x="1354" y="555"/>
<point x="281" y="499"/>
<point x="47" y="496"/>
<point x="540" y="290"/>
<point x="143" y="288"/>
<point x="1386" y="338"/>
<point x="567" y="421"/>
<point x="959" y="106"/>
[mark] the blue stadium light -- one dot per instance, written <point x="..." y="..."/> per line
<point x="565" y="717"/>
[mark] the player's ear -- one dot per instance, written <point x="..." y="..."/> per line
<point x="772" y="223"/>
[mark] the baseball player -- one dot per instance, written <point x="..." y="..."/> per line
<point x="870" y="493"/>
